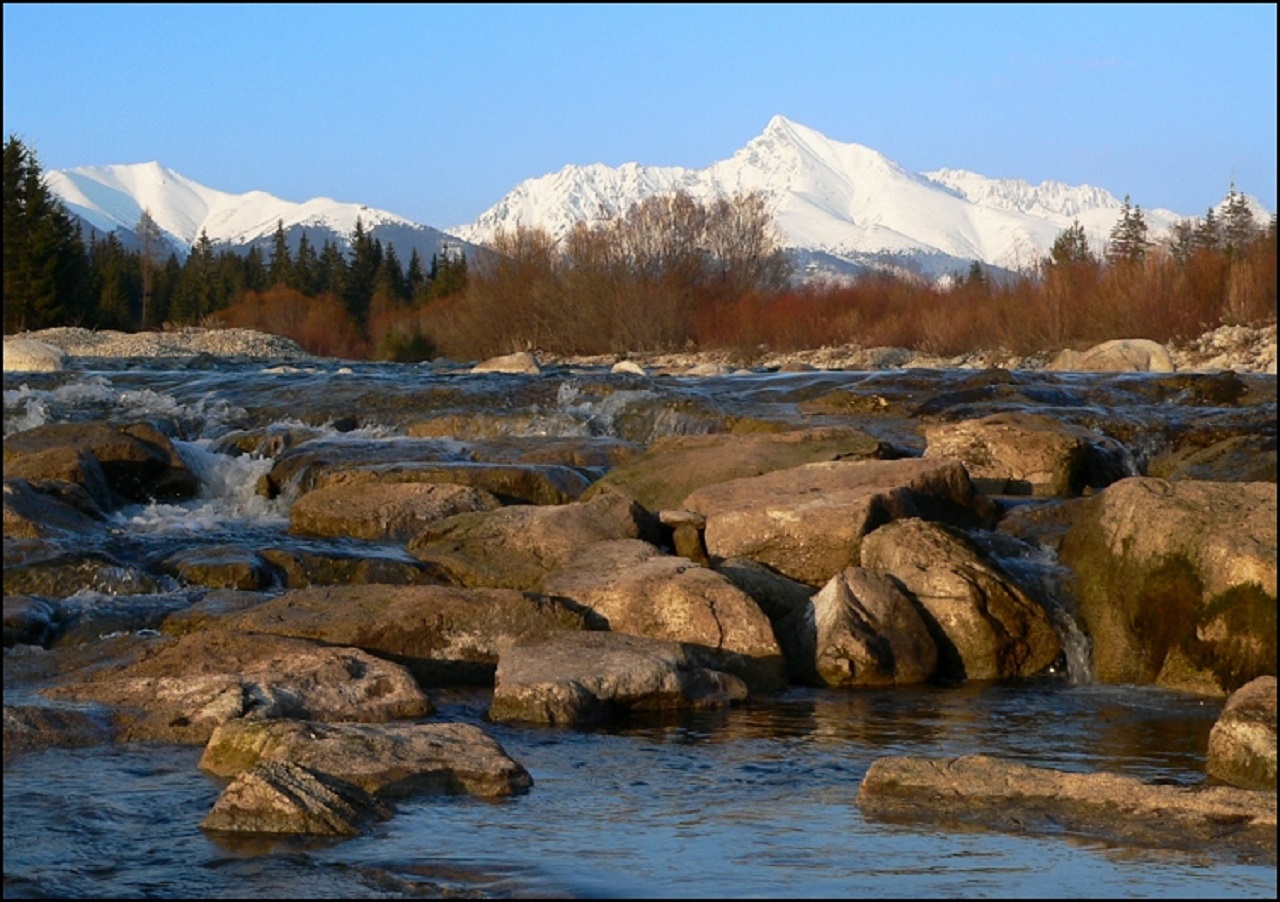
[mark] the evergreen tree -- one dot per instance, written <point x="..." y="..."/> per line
<point x="1208" y="234"/>
<point x="45" y="268"/>
<point x="389" y="280"/>
<point x="305" y="268"/>
<point x="1071" y="246"/>
<point x="150" y="240"/>
<point x="332" y="272"/>
<point x="255" y="271"/>
<point x="280" y="269"/>
<point x="1238" y="227"/>
<point x="415" y="278"/>
<point x="194" y="295"/>
<point x="1128" y="240"/>
<point x="114" y="283"/>
<point x="366" y="256"/>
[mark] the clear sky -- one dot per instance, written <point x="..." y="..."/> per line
<point x="436" y="111"/>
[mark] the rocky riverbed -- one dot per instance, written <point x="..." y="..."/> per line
<point x="214" y="540"/>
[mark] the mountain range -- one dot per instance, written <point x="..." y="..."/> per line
<point x="840" y="208"/>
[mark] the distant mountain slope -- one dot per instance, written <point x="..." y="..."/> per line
<point x="112" y="198"/>
<point x="839" y="206"/>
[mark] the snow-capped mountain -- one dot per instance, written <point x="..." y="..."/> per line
<point x="112" y="199"/>
<point x="841" y="207"/>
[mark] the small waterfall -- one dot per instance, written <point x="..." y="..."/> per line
<point x="1037" y="572"/>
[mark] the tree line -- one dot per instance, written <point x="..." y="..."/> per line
<point x="53" y="276"/>
<point x="670" y="273"/>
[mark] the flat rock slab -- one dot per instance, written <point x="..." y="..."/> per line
<point x="391" y="760"/>
<point x="587" y="678"/>
<point x="999" y="794"/>
<point x="278" y="797"/>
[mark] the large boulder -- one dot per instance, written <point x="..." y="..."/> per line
<point x="441" y="634"/>
<point x="383" y="512"/>
<point x="993" y="793"/>
<point x="987" y="627"/>
<point x="1175" y="582"/>
<point x="808" y="522"/>
<point x="637" y="589"/>
<point x="391" y="760"/>
<point x="1242" y="743"/>
<point x="868" y="632"/>
<point x="47" y="510"/>
<point x="279" y="797"/>
<point x="1027" y="454"/>
<point x="137" y="461"/>
<point x="181" y="689"/>
<point x="519" y="363"/>
<point x="590" y="678"/>
<point x="27" y="355"/>
<point x="1120" y="355"/>
<point x="516" y="547"/>
<point x="675" y="466"/>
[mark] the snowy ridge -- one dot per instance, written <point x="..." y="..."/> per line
<point x="841" y="206"/>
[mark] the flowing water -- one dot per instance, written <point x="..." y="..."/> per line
<point x="758" y="800"/>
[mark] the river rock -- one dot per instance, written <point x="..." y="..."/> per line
<point x="521" y="363"/>
<point x="807" y="522"/>
<point x="673" y="467"/>
<point x="56" y="574"/>
<point x="1121" y="355"/>
<point x="590" y="677"/>
<point x="786" y="602"/>
<point x="442" y="634"/>
<point x="868" y="632"/>
<point x="279" y="797"/>
<point x="181" y="689"/>
<point x="220" y="567"/>
<point x="298" y="568"/>
<point x="1242" y="743"/>
<point x="1175" y="582"/>
<point x="987" y="626"/>
<point x="381" y="512"/>
<point x="392" y="760"/>
<point x="1240" y="458"/>
<point x="38" y="726"/>
<point x="639" y="590"/>
<point x="1017" y="797"/>
<point x="48" y="509"/>
<point x="516" y="546"/>
<point x="138" y="461"/>
<point x="1027" y="454"/>
<point x="27" y="355"/>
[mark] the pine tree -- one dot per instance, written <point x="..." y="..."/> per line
<point x="1208" y="234"/>
<point x="149" y="242"/>
<point x="280" y="268"/>
<point x="415" y="278"/>
<point x="1128" y="240"/>
<point x="1071" y="246"/>
<point x="1238" y="227"/>
<point x="331" y="275"/>
<point x="305" y="268"/>
<point x="45" y="267"/>
<point x="366" y="256"/>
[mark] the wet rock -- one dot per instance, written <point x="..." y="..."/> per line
<point x="639" y="590"/>
<point x="30" y="621"/>
<point x="138" y="461"/>
<point x="279" y="797"/>
<point x="30" y="726"/>
<point x="515" y="547"/>
<point x="786" y="602"/>
<point x="986" y="627"/>
<point x="672" y="468"/>
<point x="392" y="760"/>
<point x="1027" y="454"/>
<point x="1241" y="458"/>
<point x="211" y="609"/>
<point x="1175" y="582"/>
<point x="1006" y="795"/>
<point x="389" y="511"/>
<point x="221" y="567"/>
<point x="440" y="634"/>
<point x="807" y="522"/>
<point x="868" y="632"/>
<point x="182" y="688"/>
<point x="299" y="568"/>
<point x="60" y="574"/>
<point x="1121" y="355"/>
<point x="40" y="511"/>
<point x="590" y="678"/>
<point x="1242" y="743"/>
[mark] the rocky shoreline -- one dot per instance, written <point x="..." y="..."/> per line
<point x="586" y="579"/>
<point x="1246" y="349"/>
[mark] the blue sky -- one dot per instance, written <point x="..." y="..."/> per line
<point x="436" y="111"/>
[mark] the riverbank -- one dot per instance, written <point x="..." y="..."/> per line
<point x="1245" y="349"/>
